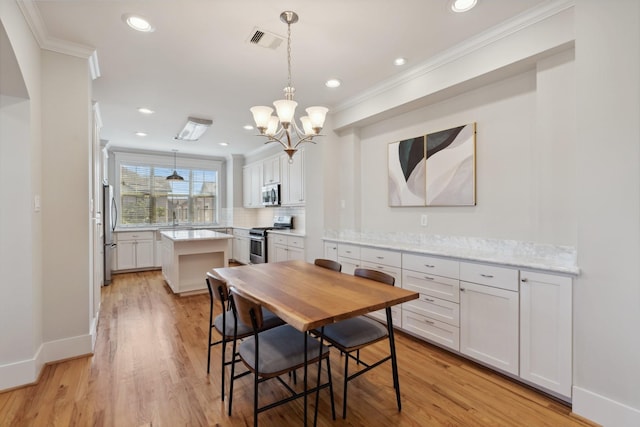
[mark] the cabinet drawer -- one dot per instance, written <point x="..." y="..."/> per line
<point x="392" y="271"/>
<point x="498" y="277"/>
<point x="279" y="239"/>
<point x="432" y="285"/>
<point x="431" y="265"/>
<point x="435" y="309"/>
<point x="295" y="241"/>
<point x="349" y="251"/>
<point x="381" y="256"/>
<point x="381" y="315"/>
<point x="433" y="330"/>
<point x="240" y="232"/>
<point x="135" y="235"/>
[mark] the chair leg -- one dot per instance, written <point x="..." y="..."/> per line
<point x="346" y="381"/>
<point x="209" y="352"/>
<point x="333" y="406"/>
<point x="232" y="378"/>
<point x="222" y="370"/>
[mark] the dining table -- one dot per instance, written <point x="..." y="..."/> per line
<point x="309" y="297"/>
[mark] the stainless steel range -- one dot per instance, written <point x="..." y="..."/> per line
<point x="258" y="252"/>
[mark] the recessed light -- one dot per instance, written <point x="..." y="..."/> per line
<point x="399" y="61"/>
<point x="247" y="127"/>
<point x="138" y="23"/>
<point x="224" y="144"/>
<point x="462" y="5"/>
<point x="145" y="110"/>
<point x="333" y="83"/>
<point x="141" y="133"/>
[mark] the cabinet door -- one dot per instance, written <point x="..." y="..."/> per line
<point x="489" y="325"/>
<point x="246" y="187"/>
<point x="256" y="186"/>
<point x="271" y="171"/>
<point x="295" y="254"/>
<point x="545" y="331"/>
<point x="280" y="253"/>
<point x="144" y="253"/>
<point x="331" y="251"/>
<point x="126" y="254"/>
<point x="349" y="265"/>
<point x="296" y="179"/>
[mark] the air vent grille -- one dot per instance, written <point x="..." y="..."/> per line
<point x="265" y="39"/>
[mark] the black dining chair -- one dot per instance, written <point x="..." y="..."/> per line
<point x="225" y="324"/>
<point x="353" y="334"/>
<point x="274" y="352"/>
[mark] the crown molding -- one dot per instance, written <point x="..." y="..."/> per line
<point x="32" y="15"/>
<point x="501" y="31"/>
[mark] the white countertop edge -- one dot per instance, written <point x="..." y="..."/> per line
<point x="194" y="235"/>
<point x="549" y="262"/>
<point x="296" y="233"/>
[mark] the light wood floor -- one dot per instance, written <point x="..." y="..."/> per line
<point x="149" y="369"/>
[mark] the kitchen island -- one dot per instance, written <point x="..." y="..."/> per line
<point x="187" y="255"/>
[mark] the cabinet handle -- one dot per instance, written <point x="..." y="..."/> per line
<point x="488" y="276"/>
<point x="429" y="322"/>
<point x="429" y="278"/>
<point x="524" y="280"/>
<point x="379" y="267"/>
<point x="429" y="266"/>
<point x="348" y="252"/>
<point x="429" y="299"/>
<point x="380" y="257"/>
<point x="462" y="289"/>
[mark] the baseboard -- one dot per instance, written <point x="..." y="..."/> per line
<point x="24" y="372"/>
<point x="27" y="372"/>
<point x="603" y="410"/>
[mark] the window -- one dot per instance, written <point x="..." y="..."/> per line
<point x="146" y="197"/>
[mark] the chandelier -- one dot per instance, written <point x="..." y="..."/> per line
<point x="283" y="128"/>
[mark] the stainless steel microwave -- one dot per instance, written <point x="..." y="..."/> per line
<point x="271" y="195"/>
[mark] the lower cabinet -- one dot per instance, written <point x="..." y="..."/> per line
<point x="489" y="318"/>
<point x="135" y="250"/>
<point x="240" y="245"/>
<point x="545" y="331"/>
<point x="285" y="248"/>
<point x="331" y="251"/>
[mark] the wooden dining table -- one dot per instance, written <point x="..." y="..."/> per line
<point x="309" y="297"/>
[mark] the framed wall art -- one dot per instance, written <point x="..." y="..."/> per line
<point x="437" y="169"/>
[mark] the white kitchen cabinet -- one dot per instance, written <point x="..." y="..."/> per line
<point x="489" y="325"/>
<point x="349" y="257"/>
<point x="389" y="262"/>
<point x="545" y="331"/>
<point x="292" y="179"/>
<point x="271" y="170"/>
<point x="135" y="250"/>
<point x="286" y="248"/>
<point x="241" y="245"/>
<point x="331" y="251"/>
<point x="436" y="314"/>
<point x="252" y="185"/>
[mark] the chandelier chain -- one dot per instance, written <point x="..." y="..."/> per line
<point x="289" y="53"/>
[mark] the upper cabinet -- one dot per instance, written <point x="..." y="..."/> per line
<point x="292" y="179"/>
<point x="252" y="185"/>
<point x="271" y="171"/>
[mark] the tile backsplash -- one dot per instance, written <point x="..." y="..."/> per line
<point x="263" y="217"/>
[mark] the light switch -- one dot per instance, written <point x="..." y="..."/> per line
<point x="423" y="220"/>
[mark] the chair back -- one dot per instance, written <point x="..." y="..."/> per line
<point x="376" y="275"/>
<point x="246" y="309"/>
<point x="328" y="263"/>
<point x="217" y="289"/>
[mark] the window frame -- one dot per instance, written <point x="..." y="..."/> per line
<point x="167" y="161"/>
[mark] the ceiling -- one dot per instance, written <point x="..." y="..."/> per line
<point x="198" y="61"/>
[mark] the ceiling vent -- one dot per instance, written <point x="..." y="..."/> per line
<point x="266" y="39"/>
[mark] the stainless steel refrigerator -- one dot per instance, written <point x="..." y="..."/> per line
<point x="109" y="220"/>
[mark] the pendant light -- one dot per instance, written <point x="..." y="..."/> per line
<point x="174" y="176"/>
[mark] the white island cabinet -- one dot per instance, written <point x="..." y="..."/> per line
<point x="187" y="256"/>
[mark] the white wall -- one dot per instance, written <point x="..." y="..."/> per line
<point x="607" y="293"/>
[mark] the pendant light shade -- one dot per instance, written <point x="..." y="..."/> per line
<point x="174" y="176"/>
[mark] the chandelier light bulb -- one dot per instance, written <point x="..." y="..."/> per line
<point x="285" y="109"/>
<point x="272" y="126"/>
<point x="306" y="126"/>
<point x="261" y="116"/>
<point x="317" y="116"/>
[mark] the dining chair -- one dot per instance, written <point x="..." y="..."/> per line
<point x="351" y="335"/>
<point x="328" y="263"/>
<point x="225" y="324"/>
<point x="274" y="352"/>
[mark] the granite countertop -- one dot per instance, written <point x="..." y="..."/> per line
<point x="191" y="235"/>
<point x="546" y="257"/>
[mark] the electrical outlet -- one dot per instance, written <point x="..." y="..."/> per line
<point x="423" y="220"/>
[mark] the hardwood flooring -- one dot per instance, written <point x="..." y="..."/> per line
<point x="149" y="369"/>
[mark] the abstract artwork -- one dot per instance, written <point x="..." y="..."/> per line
<point x="438" y="169"/>
<point x="406" y="168"/>
<point x="450" y="171"/>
